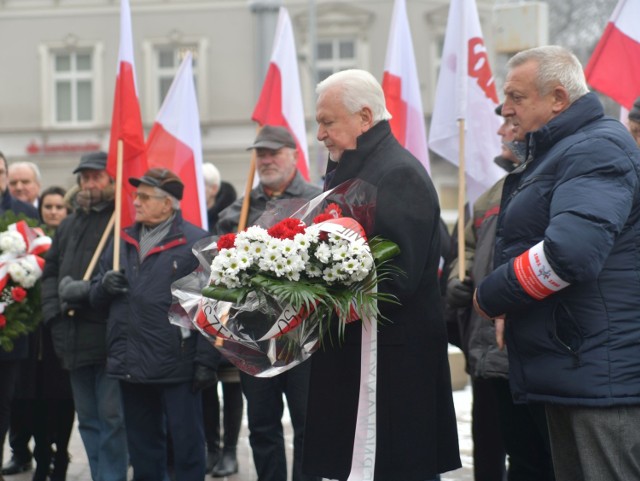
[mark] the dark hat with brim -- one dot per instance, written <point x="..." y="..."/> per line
<point x="634" y="113"/>
<point x="163" y="179"/>
<point x="273" y="138"/>
<point x="92" y="161"/>
<point x="498" y="110"/>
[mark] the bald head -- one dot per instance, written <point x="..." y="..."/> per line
<point x="24" y="181"/>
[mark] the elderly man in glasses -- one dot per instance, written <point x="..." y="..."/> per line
<point x="161" y="367"/>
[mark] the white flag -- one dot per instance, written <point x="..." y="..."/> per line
<point x="466" y="90"/>
<point x="402" y="87"/>
<point x="175" y="142"/>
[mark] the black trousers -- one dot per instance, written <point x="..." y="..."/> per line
<point x="265" y="407"/>
<point x="526" y="437"/>
<point x="8" y="379"/>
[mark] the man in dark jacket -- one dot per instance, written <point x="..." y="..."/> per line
<point x="10" y="361"/>
<point x="566" y="275"/>
<point x="276" y="156"/>
<point x="411" y="427"/>
<point x="522" y="432"/>
<point x="161" y="367"/>
<point x="79" y="331"/>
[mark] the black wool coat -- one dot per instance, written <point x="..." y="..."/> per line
<point x="416" y="424"/>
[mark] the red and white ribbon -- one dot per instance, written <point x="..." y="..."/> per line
<point x="535" y="275"/>
<point x="364" y="445"/>
<point x="36" y="243"/>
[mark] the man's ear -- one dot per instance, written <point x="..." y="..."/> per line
<point x="560" y="99"/>
<point x="366" y="117"/>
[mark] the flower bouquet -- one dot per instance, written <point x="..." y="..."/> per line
<point x="271" y="290"/>
<point x="21" y="244"/>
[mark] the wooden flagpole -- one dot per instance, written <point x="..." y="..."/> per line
<point x="246" y="202"/>
<point x="462" y="188"/>
<point x="118" y="208"/>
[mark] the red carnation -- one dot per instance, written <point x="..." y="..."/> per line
<point x="321" y="218"/>
<point x="226" y="241"/>
<point x="18" y="294"/>
<point x="3" y="321"/>
<point x="287" y="228"/>
<point x="333" y="210"/>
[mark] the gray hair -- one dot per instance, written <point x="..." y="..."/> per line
<point x="175" y="203"/>
<point x="211" y="174"/>
<point x="359" y="89"/>
<point x="34" y="168"/>
<point x="556" y="66"/>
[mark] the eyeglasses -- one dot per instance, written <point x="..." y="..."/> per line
<point x="145" y="197"/>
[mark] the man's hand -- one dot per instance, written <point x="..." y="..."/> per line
<point x="73" y="292"/>
<point x="203" y="377"/>
<point x="115" y="282"/>
<point x="459" y="293"/>
<point x="477" y="307"/>
<point x="499" y="323"/>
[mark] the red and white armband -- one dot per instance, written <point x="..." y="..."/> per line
<point x="535" y="275"/>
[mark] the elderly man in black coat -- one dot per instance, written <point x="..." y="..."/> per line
<point x="415" y="425"/>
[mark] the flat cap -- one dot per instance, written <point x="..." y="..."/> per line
<point x="163" y="179"/>
<point x="92" y="161"/>
<point x="274" y="138"/>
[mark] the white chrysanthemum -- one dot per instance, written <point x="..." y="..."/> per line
<point x="11" y="242"/>
<point x="254" y="233"/>
<point x="313" y="270"/>
<point x="323" y="253"/>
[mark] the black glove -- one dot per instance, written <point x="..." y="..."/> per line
<point x="203" y="377"/>
<point x="459" y="293"/>
<point x="73" y="292"/>
<point x="115" y="282"/>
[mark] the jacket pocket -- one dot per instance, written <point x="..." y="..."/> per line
<point x="565" y="331"/>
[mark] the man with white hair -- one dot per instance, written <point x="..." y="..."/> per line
<point x="567" y="276"/>
<point x="219" y="193"/>
<point x="415" y="435"/>
<point x="25" y="182"/>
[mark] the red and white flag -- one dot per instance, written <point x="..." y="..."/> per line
<point x="614" y="66"/>
<point x="402" y="87"/>
<point x="280" y="101"/>
<point x="126" y="122"/>
<point x="466" y="91"/>
<point x="175" y="142"/>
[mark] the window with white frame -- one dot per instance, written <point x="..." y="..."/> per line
<point x="73" y="87"/>
<point x="167" y="60"/>
<point x="333" y="55"/>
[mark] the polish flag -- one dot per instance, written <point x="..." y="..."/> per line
<point x="175" y="143"/>
<point x="402" y="88"/>
<point x="280" y="101"/>
<point x="466" y="91"/>
<point x="614" y="67"/>
<point x="126" y="123"/>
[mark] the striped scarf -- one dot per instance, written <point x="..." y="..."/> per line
<point x="150" y="236"/>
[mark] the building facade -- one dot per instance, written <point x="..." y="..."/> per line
<point x="59" y="66"/>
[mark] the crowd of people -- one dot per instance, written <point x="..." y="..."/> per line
<point x="546" y="309"/>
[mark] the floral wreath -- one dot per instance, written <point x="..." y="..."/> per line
<point x="22" y="243"/>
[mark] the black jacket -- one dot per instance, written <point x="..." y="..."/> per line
<point x="416" y="423"/>
<point x="79" y="340"/>
<point x="143" y="346"/>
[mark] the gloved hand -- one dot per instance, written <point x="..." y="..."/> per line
<point x="73" y="292"/>
<point x="459" y="293"/>
<point x="115" y="282"/>
<point x="203" y="377"/>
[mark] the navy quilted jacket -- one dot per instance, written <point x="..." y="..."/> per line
<point x="572" y="299"/>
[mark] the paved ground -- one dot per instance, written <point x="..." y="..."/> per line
<point x="79" y="468"/>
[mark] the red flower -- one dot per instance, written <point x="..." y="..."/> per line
<point x="3" y="321"/>
<point x="18" y="294"/>
<point x="226" y="241"/>
<point x="287" y="228"/>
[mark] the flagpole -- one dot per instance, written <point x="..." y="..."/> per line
<point x="462" y="188"/>
<point x="118" y="210"/>
<point x="246" y="201"/>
